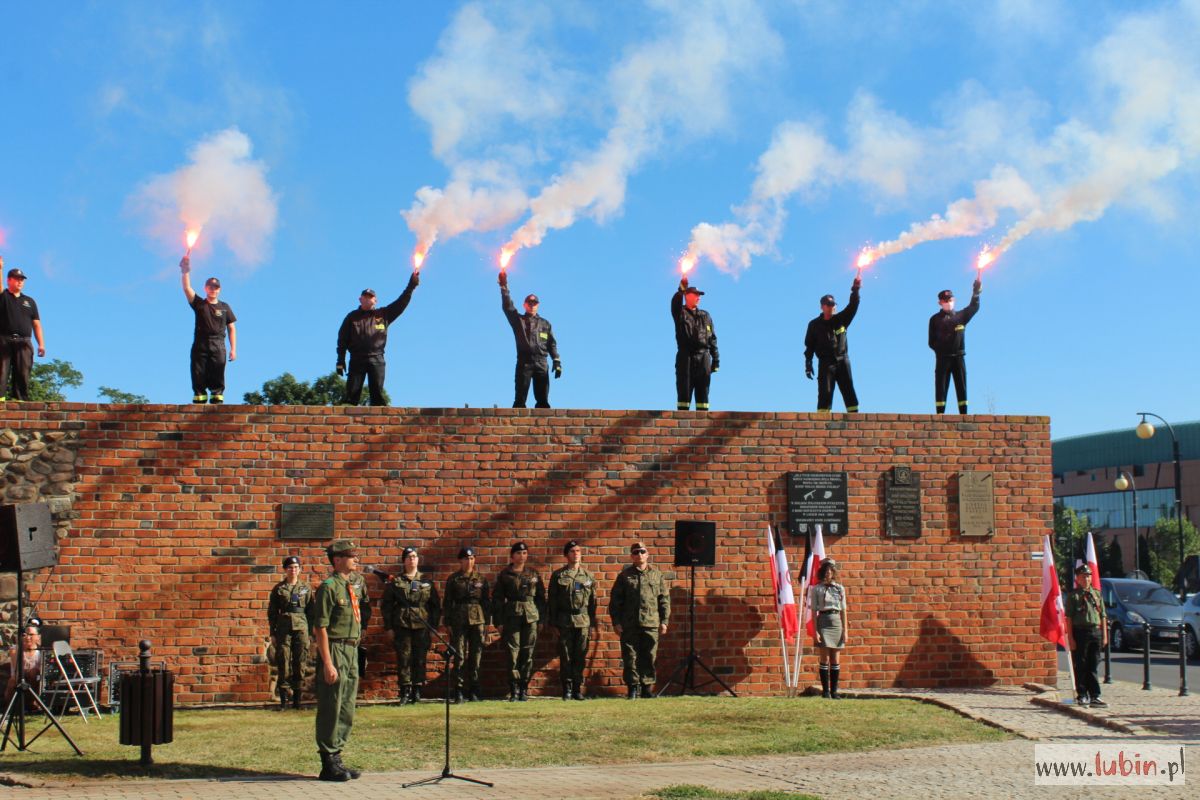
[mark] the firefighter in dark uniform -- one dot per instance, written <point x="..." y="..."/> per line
<point x="696" y="356"/>
<point x="535" y="341"/>
<point x="947" y="339"/>
<point x="341" y="611"/>
<point x="19" y="321"/>
<point x="364" y="334"/>
<point x="518" y="606"/>
<point x="1087" y="635"/>
<point x="409" y="601"/>
<point x="288" y="610"/>
<point x="571" y="605"/>
<point x="826" y="338"/>
<point x="467" y="605"/>
<point x="640" y="607"/>
<point x="214" y="319"/>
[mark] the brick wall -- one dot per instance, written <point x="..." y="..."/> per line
<point x="174" y="536"/>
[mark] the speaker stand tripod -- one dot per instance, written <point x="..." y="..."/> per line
<point x="24" y="694"/>
<point x="685" y="673"/>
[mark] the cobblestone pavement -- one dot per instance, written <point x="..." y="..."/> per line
<point x="994" y="770"/>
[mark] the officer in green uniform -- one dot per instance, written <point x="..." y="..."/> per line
<point x="467" y="608"/>
<point x="287" y="614"/>
<point x="519" y="603"/>
<point x="640" y="606"/>
<point x="409" y="601"/>
<point x="1087" y="634"/>
<point x="572" y="609"/>
<point x="340" y="614"/>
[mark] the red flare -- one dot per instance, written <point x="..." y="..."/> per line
<point x="986" y="257"/>
<point x="865" y="258"/>
<point x="686" y="264"/>
<point x="190" y="237"/>
<point x="418" y="258"/>
<point x="506" y="254"/>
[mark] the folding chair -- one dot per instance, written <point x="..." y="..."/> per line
<point x="74" y="681"/>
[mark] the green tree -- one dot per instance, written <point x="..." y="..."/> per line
<point x="1070" y="539"/>
<point x="1164" y="548"/>
<point x="49" y="379"/>
<point x="1112" y="560"/>
<point x="287" y="390"/>
<point x="117" y="396"/>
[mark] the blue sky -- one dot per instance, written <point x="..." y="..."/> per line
<point x="622" y="131"/>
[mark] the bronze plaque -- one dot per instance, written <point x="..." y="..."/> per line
<point x="902" y="503"/>
<point x="976" y="504"/>
<point x="306" y="520"/>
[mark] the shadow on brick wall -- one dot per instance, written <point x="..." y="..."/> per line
<point x="940" y="659"/>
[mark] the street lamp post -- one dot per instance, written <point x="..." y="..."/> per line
<point x="1145" y="430"/>
<point x="1125" y="481"/>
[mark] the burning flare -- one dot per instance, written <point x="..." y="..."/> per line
<point x="687" y="263"/>
<point x="191" y="237"/>
<point x="986" y="257"/>
<point x="506" y="254"/>
<point x="418" y="258"/>
<point x="865" y="258"/>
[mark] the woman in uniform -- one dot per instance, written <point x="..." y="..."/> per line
<point x="409" y="601"/>
<point x="827" y="600"/>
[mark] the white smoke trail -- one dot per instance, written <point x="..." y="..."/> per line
<point x="221" y="191"/>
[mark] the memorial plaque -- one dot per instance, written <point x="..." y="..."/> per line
<point x="976" y="504"/>
<point x="817" y="498"/>
<point x="306" y="520"/>
<point x="902" y="503"/>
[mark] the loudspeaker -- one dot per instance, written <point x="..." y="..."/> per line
<point x="26" y="537"/>
<point x="695" y="543"/>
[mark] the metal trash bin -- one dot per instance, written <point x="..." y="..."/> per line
<point x="147" y="705"/>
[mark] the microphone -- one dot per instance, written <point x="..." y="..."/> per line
<point x="378" y="573"/>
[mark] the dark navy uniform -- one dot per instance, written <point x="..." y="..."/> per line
<point x="17" y="315"/>
<point x="535" y="341"/>
<point x="364" y="335"/>
<point x="696" y="355"/>
<point x="947" y="339"/>
<point x="826" y="339"/>
<point x="208" y="349"/>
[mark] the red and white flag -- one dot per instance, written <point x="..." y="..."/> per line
<point x="816" y="556"/>
<point x="1092" y="562"/>
<point x="781" y="580"/>
<point x="1053" y="623"/>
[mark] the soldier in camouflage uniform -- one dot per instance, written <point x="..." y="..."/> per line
<point x="340" y="613"/>
<point x="467" y="607"/>
<point x="519" y="603"/>
<point x="409" y="601"/>
<point x="287" y="615"/>
<point x="572" y="609"/>
<point x="640" y="606"/>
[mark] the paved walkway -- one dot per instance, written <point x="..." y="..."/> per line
<point x="995" y="770"/>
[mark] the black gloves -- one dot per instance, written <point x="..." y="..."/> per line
<point x="557" y="369"/>
<point x="683" y="284"/>
<point x="977" y="287"/>
<point x="185" y="265"/>
<point x="415" y="280"/>
<point x="716" y="364"/>
<point x="808" y="372"/>
<point x="503" y="279"/>
<point x="857" y="284"/>
<point x="341" y="369"/>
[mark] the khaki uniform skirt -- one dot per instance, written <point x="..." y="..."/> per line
<point x="830" y="633"/>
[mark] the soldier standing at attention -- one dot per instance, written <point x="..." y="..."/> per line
<point x="640" y="606"/>
<point x="467" y="607"/>
<point x="572" y="609"/>
<point x="19" y="321"/>
<point x="288" y="610"/>
<point x="340" y="614"/>
<point x="696" y="356"/>
<point x="535" y="340"/>
<point x="364" y="334"/>
<point x="214" y="319"/>
<point x="827" y="600"/>
<point x="519" y="602"/>
<point x="826" y="338"/>
<point x="947" y="339"/>
<point x="1087" y="634"/>
<point x="409" y="601"/>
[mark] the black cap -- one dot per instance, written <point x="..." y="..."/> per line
<point x="213" y="282"/>
<point x="944" y="295"/>
<point x="16" y="273"/>
<point x="518" y="547"/>
<point x="466" y="552"/>
<point x="532" y="300"/>
<point x="291" y="561"/>
<point x="410" y="551"/>
<point x="828" y="300"/>
<point x="692" y="290"/>
<point x="569" y="546"/>
<point x="368" y="292"/>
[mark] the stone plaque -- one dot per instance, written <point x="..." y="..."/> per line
<point x="976" y="505"/>
<point x="817" y="498"/>
<point x="306" y="520"/>
<point x="902" y="503"/>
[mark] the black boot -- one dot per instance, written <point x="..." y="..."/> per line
<point x="577" y="690"/>
<point x="824" y="670"/>
<point x="566" y="690"/>
<point x="522" y="690"/>
<point x="296" y="699"/>
<point x="456" y="696"/>
<point x="835" y="673"/>
<point x="632" y="692"/>
<point x="405" y="693"/>
<point x="415" y="694"/>
<point x="476" y="697"/>
<point x="330" y="771"/>
<point x="283" y="701"/>
<point x="647" y="691"/>
<point x="353" y="774"/>
<point x="512" y="691"/>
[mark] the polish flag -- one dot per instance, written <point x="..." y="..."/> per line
<point x="816" y="556"/>
<point x="1092" y="562"/>
<point x="781" y="581"/>
<point x="1053" y="625"/>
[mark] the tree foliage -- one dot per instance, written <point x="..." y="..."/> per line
<point x="1112" y="560"/>
<point x="112" y="395"/>
<point x="1070" y="540"/>
<point x="1164" y="548"/>
<point x="288" y="390"/>
<point x="48" y="381"/>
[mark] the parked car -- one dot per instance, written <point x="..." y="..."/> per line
<point x="1191" y="616"/>
<point x="1132" y="603"/>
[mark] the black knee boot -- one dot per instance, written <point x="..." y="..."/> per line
<point x="835" y="673"/>
<point x="824" y="670"/>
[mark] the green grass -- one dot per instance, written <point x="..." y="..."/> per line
<point x="233" y="743"/>
<point x="689" y="792"/>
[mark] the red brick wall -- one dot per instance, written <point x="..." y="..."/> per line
<point x="175" y="539"/>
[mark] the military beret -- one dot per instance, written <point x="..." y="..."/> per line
<point x="341" y="547"/>
<point x="466" y="552"/>
<point x="518" y="547"/>
<point x="408" y="551"/>
<point x="290" y="561"/>
<point x="569" y="546"/>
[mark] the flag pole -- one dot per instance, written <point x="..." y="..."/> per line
<point x="800" y="634"/>
<point x="787" y="679"/>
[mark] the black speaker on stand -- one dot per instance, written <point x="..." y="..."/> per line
<point x="26" y="543"/>
<point x="695" y="546"/>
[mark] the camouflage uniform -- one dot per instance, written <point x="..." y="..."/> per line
<point x="640" y="601"/>
<point x="287" y="614"/>
<point x="467" y="605"/>
<point x="572" y="609"/>
<point x="519" y="601"/>
<point x="408" y="603"/>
